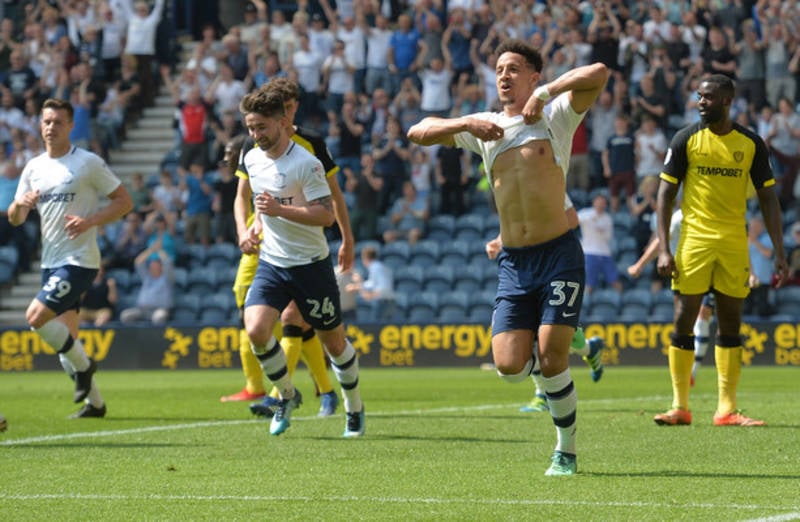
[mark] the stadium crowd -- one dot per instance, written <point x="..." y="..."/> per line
<point x="368" y="70"/>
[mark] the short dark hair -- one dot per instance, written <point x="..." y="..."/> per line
<point x="265" y="102"/>
<point x="527" y="51"/>
<point x="370" y="252"/>
<point x="58" y="104"/>
<point x="286" y="88"/>
<point x="724" y="84"/>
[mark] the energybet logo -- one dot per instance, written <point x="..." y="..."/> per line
<point x="753" y="342"/>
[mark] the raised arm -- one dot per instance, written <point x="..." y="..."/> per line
<point x="583" y="84"/>
<point x="433" y="130"/>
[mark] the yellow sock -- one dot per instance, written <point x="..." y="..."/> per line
<point x="292" y="347"/>
<point x="680" y="368"/>
<point x="315" y="360"/>
<point x="729" y="368"/>
<point x="253" y="375"/>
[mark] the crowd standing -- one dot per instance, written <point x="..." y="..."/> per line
<point x="368" y="70"/>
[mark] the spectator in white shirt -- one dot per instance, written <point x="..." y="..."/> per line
<point x="597" y="233"/>
<point x="141" y="42"/>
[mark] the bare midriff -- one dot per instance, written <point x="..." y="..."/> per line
<point x="529" y="189"/>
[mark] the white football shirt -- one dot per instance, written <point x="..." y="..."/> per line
<point x="73" y="184"/>
<point x="295" y="178"/>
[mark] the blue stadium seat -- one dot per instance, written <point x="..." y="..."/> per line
<point x="220" y="300"/>
<point x="425" y="252"/>
<point x="214" y="316"/>
<point x="226" y="277"/>
<point x="786" y="296"/>
<point x="456" y="252"/>
<point x="606" y="302"/>
<point x="638" y="297"/>
<point x="662" y="312"/>
<point x="467" y="280"/>
<point x="623" y="222"/>
<point x="664" y="296"/>
<point x="627" y="246"/>
<point x="181" y="277"/>
<point x="187" y="307"/>
<point x="455" y="304"/>
<point x="635" y="313"/>
<point x="222" y="255"/>
<point x="470" y="227"/>
<point x="401" y="300"/>
<point x="439" y="278"/>
<point x="491" y="227"/>
<point x="201" y="281"/>
<point x="441" y="227"/>
<point x="423" y="304"/>
<point x="409" y="279"/>
<point x="194" y="254"/>
<point x="396" y="254"/>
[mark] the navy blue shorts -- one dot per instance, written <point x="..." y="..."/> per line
<point x="542" y="284"/>
<point x="313" y="287"/>
<point x="62" y="287"/>
<point x="710" y="300"/>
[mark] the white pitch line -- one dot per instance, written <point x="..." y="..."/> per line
<point x="194" y="425"/>
<point x="388" y="500"/>
<point x="784" y="517"/>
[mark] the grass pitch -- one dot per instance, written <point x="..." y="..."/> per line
<point x="441" y="444"/>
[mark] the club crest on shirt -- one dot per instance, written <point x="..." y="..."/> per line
<point x="318" y="171"/>
<point x="280" y="180"/>
<point x="738" y="156"/>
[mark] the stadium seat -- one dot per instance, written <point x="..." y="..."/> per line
<point x="201" y="281"/>
<point x="470" y="227"/>
<point x="491" y="227"/>
<point x="662" y="312"/>
<point x="787" y="295"/>
<point x="638" y="297"/>
<point x="214" y="316"/>
<point x="467" y="280"/>
<point x="489" y="273"/>
<point x="602" y="314"/>
<point x="623" y="223"/>
<point x="425" y="252"/>
<point x="222" y="255"/>
<point x="634" y="313"/>
<point x="220" y="300"/>
<point x="409" y="279"/>
<point x="400" y="305"/>
<point x="181" y="277"/>
<point x="441" y="227"/>
<point x="439" y="278"/>
<point x="627" y="246"/>
<point x="456" y="301"/>
<point x="194" y="254"/>
<point x="423" y="304"/>
<point x="456" y="252"/>
<point x="453" y="315"/>
<point x="605" y="301"/>
<point x="187" y="307"/>
<point x="9" y="254"/>
<point x="396" y="254"/>
<point x="664" y="296"/>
